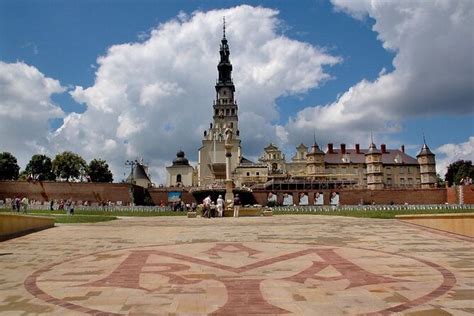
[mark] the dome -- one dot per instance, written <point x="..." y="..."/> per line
<point x="180" y="160"/>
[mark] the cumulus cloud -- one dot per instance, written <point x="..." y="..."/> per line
<point x="25" y="109"/>
<point x="153" y="97"/>
<point x="433" y="71"/>
<point x="449" y="153"/>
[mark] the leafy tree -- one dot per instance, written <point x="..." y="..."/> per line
<point x="98" y="171"/>
<point x="439" y="181"/>
<point x="68" y="165"/>
<point x="9" y="168"/>
<point x="40" y="168"/>
<point x="459" y="170"/>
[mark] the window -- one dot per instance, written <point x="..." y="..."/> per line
<point x="231" y="125"/>
<point x="233" y="111"/>
<point x="258" y="173"/>
<point x="178" y="178"/>
<point x="248" y="174"/>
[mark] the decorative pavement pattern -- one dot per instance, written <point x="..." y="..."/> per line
<point x="281" y="265"/>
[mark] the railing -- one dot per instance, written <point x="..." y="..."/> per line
<point x="318" y="208"/>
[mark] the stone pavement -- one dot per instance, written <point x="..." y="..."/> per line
<point x="301" y="265"/>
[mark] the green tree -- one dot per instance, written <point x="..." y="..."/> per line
<point x="98" y="171"/>
<point x="40" y="168"/>
<point x="458" y="170"/>
<point x="9" y="168"/>
<point x="68" y="165"/>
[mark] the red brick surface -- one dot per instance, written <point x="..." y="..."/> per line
<point x="46" y="191"/>
<point x="468" y="192"/>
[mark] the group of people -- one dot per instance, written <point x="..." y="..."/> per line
<point x="18" y="204"/>
<point x="216" y="209"/>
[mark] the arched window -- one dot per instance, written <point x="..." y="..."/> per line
<point x="178" y="178"/>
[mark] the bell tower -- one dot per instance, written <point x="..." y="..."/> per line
<point x="212" y="154"/>
<point x="225" y="107"/>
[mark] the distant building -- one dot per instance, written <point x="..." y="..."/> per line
<point x="181" y="172"/>
<point x="139" y="175"/>
<point x="370" y="168"/>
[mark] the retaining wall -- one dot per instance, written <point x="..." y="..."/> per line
<point x="461" y="224"/>
<point x="14" y="225"/>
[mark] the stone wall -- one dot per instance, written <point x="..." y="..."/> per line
<point x="354" y="197"/>
<point x="46" y="191"/>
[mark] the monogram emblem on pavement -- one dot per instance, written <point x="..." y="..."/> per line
<point x="241" y="278"/>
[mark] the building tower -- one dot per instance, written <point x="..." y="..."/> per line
<point x="373" y="160"/>
<point x="315" y="161"/>
<point x="426" y="160"/>
<point x="180" y="173"/>
<point x="211" y="157"/>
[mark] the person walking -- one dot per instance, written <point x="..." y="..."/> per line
<point x="220" y="206"/>
<point x="207" y="207"/>
<point x="236" y="205"/>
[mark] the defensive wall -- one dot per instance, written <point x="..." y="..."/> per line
<point x="43" y="191"/>
<point x="123" y="192"/>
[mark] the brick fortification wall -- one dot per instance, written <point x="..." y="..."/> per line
<point x="101" y="192"/>
<point x="456" y="192"/>
<point x="47" y="191"/>
<point x="355" y="197"/>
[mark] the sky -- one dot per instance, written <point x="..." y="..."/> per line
<point x="126" y="79"/>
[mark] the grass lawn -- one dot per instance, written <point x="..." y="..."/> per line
<point x="101" y="212"/>
<point x="66" y="219"/>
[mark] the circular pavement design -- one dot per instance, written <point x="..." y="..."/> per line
<point x="241" y="278"/>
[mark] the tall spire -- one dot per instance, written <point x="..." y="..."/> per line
<point x="223" y="27"/>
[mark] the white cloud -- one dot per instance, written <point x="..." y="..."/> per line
<point x="154" y="97"/>
<point x="433" y="71"/>
<point x="25" y="108"/>
<point x="449" y="153"/>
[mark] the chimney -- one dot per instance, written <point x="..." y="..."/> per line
<point x="343" y="149"/>
<point x="403" y="148"/>
<point x="383" y="148"/>
<point x="357" y="149"/>
<point x="330" y="149"/>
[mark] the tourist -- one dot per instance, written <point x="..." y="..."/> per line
<point x="25" y="203"/>
<point x="206" y="203"/>
<point x="193" y="207"/>
<point x="13" y="204"/>
<point x="51" y="205"/>
<point x="69" y="207"/>
<point x="17" y="204"/>
<point x="334" y="200"/>
<point x="220" y="206"/>
<point x="236" y="205"/>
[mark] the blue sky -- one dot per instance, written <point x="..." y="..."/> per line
<point x="63" y="39"/>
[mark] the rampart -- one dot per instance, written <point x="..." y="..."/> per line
<point x="43" y="191"/>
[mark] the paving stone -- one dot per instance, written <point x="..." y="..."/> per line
<point x="302" y="265"/>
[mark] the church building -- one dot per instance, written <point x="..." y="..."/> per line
<point x="370" y="168"/>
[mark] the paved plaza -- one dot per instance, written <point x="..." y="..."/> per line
<point x="301" y="265"/>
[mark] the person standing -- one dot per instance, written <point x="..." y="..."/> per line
<point x="17" y="204"/>
<point x="220" y="206"/>
<point x="236" y="205"/>
<point x="207" y="207"/>
<point x="25" y="203"/>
